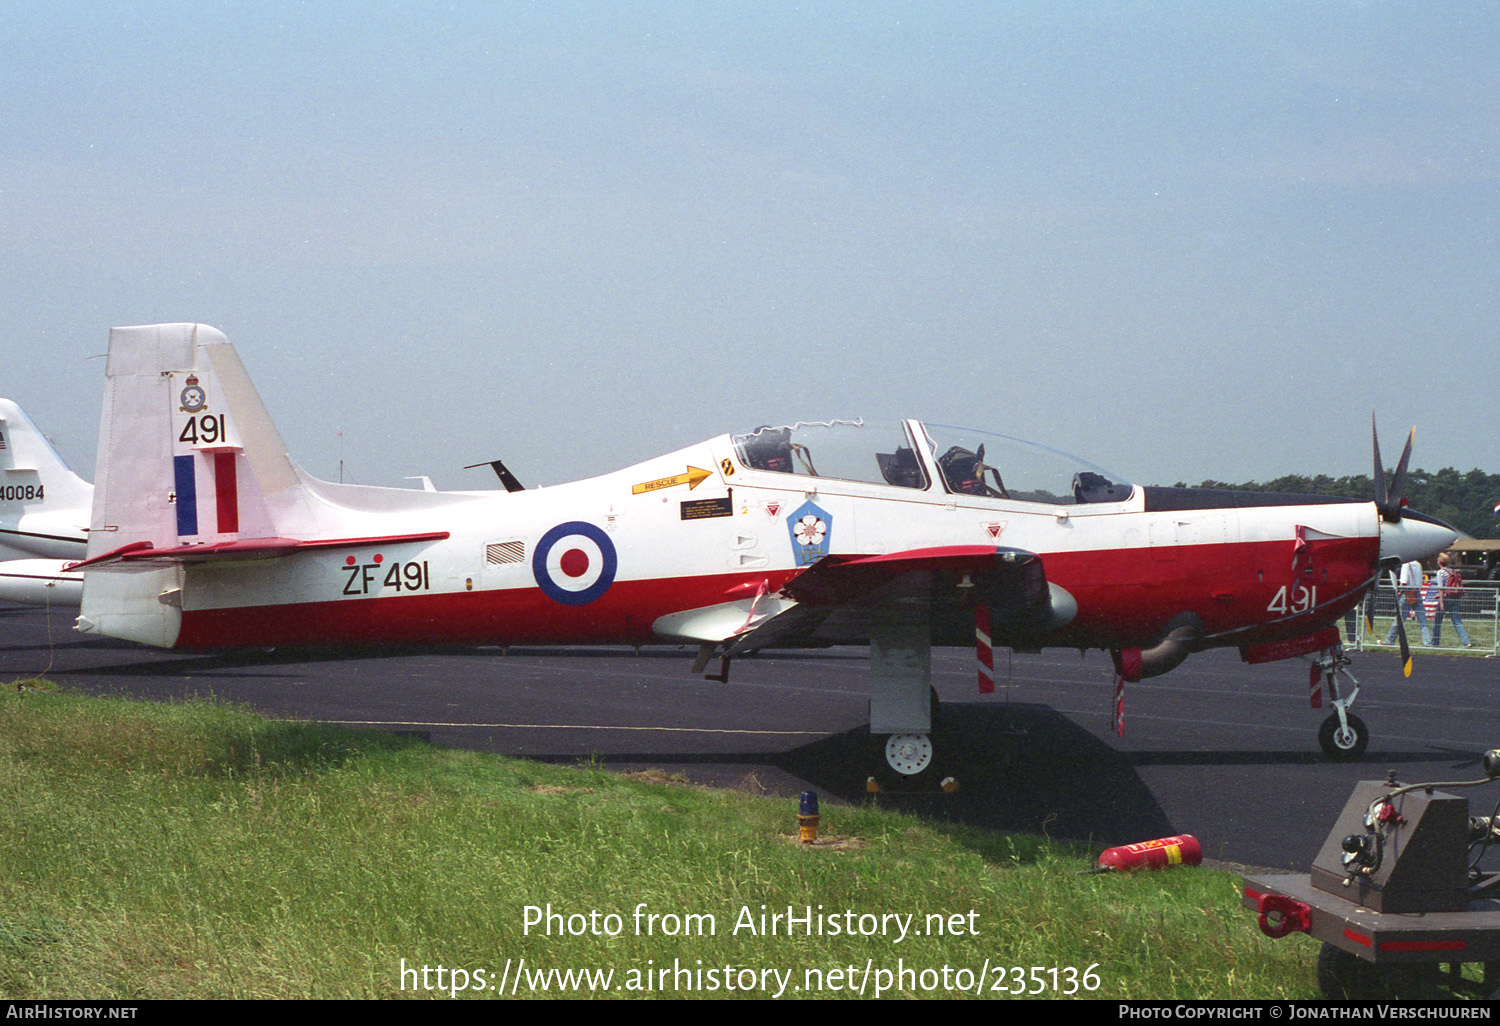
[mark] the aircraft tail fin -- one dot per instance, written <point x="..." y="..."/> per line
<point x="191" y="470"/>
<point x="23" y="448"/>
<point x="187" y="453"/>
<point x="43" y="504"/>
<point x="188" y="456"/>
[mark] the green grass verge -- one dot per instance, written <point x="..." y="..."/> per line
<point x="199" y="851"/>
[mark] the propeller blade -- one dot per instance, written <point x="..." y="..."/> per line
<point x="1388" y="500"/>
<point x="1398" y="484"/>
<point x="1401" y="628"/>
<point x="1379" y="477"/>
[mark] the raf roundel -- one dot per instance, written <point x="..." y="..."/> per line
<point x="574" y="563"/>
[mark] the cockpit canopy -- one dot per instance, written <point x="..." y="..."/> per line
<point x="963" y="461"/>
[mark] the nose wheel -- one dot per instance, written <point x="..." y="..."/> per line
<point x="1343" y="741"/>
<point x="1343" y="735"/>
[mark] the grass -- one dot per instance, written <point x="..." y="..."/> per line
<point x="198" y="851"/>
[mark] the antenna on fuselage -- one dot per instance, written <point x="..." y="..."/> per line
<point x="503" y="473"/>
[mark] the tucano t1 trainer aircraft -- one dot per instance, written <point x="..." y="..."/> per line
<point x="44" y="508"/>
<point x="206" y="535"/>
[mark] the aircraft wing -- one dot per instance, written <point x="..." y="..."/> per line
<point x="842" y="596"/>
<point x="836" y="599"/>
<point x="839" y="580"/>
<point x="144" y="555"/>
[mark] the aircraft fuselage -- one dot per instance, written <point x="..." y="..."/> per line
<point x="599" y="561"/>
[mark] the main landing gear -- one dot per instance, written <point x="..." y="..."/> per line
<point x="910" y="755"/>
<point x="908" y="761"/>
<point x="1343" y="735"/>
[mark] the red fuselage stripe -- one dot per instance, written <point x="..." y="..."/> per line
<point x="1245" y="593"/>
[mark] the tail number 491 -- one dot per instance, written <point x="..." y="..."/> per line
<point x="204" y="430"/>
<point x="1298" y="599"/>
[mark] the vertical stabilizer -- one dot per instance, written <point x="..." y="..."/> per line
<point x="44" y="506"/>
<point x="187" y="457"/>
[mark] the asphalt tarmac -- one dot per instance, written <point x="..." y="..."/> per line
<point x="1218" y="749"/>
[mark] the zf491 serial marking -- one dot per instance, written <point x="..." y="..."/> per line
<point x="364" y="578"/>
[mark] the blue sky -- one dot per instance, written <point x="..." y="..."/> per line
<point x="1184" y="240"/>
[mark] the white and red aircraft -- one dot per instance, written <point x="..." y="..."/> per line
<point x="44" y="509"/>
<point x="205" y="535"/>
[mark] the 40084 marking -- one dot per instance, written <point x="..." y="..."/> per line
<point x="22" y="493"/>
<point x="363" y="578"/>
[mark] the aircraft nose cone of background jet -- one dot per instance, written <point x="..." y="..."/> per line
<point x="1414" y="536"/>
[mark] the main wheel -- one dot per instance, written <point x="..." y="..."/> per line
<point x="1343" y="744"/>
<point x="904" y="762"/>
<point x="908" y="754"/>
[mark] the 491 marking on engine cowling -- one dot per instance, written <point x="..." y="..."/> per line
<point x="1299" y="600"/>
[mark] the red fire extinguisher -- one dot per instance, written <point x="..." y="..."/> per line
<point x="1182" y="850"/>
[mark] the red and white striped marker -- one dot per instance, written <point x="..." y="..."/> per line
<point x="1119" y="705"/>
<point x="984" y="649"/>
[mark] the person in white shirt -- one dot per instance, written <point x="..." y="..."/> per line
<point x="1409" y="596"/>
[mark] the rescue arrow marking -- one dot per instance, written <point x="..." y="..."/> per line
<point x="693" y="478"/>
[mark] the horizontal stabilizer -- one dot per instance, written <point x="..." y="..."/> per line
<point x="40" y="582"/>
<point x="143" y="555"/>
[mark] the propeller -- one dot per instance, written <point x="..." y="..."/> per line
<point x="1389" y="502"/>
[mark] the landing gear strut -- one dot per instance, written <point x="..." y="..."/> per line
<point x="909" y="757"/>
<point x="1343" y="735"/>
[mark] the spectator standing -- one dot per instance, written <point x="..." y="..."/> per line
<point x="1450" y="590"/>
<point x="1409" y="596"/>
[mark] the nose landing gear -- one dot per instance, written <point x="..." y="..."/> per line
<point x="1343" y="735"/>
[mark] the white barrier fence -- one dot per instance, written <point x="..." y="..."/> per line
<point x="1477" y="606"/>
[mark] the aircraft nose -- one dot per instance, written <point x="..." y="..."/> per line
<point x="1414" y="536"/>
